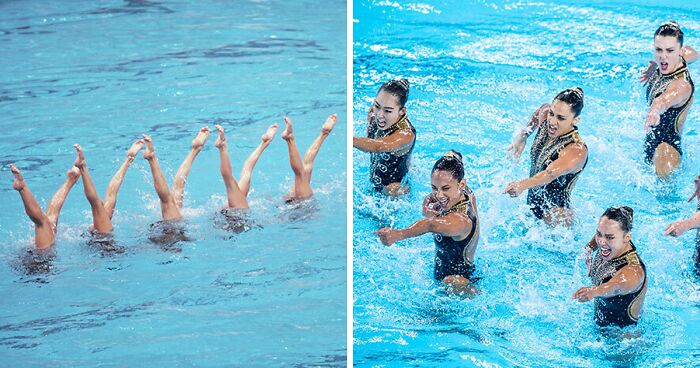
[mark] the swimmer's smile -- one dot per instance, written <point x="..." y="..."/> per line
<point x="442" y="201"/>
<point x="605" y="252"/>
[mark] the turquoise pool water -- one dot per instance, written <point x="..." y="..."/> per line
<point x="100" y="74"/>
<point x="478" y="70"/>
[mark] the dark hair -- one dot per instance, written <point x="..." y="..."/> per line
<point x="398" y="88"/>
<point x="573" y="97"/>
<point x="670" y="28"/>
<point x="623" y="215"/>
<point x="452" y="162"/>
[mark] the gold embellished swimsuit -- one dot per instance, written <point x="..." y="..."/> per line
<point x="621" y="310"/>
<point x="388" y="167"/>
<point x="545" y="151"/>
<point x="451" y="255"/>
<point x="668" y="131"/>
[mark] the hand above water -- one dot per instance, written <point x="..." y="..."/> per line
<point x="387" y="235"/>
<point x="516" y="148"/>
<point x="514" y="189"/>
<point x="585" y="294"/>
<point x="646" y="74"/>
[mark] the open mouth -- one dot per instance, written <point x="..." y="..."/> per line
<point x="381" y="124"/>
<point x="664" y="66"/>
<point x="605" y="252"/>
<point x="552" y="130"/>
<point x="443" y="202"/>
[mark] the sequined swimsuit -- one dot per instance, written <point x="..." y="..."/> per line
<point x="558" y="192"/>
<point x="617" y="310"/>
<point x="451" y="255"/>
<point x="388" y="167"/>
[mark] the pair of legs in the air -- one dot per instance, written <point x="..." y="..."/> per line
<point x="237" y="191"/>
<point x="102" y="211"/>
<point x="46" y="222"/>
<point x="171" y="199"/>
<point x="301" y="188"/>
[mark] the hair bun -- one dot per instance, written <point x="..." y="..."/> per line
<point x="404" y="83"/>
<point x="672" y="23"/>
<point x="578" y="91"/>
<point x="453" y="153"/>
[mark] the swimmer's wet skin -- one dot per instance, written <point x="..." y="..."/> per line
<point x="301" y="188"/>
<point x="237" y="191"/>
<point x="45" y="223"/>
<point x="102" y="211"/>
<point x="171" y="199"/>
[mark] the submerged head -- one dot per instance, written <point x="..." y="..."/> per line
<point x="613" y="234"/>
<point x="390" y="104"/>
<point x="668" y="40"/>
<point x="447" y="179"/>
<point x="564" y="111"/>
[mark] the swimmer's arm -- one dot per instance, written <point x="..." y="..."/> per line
<point x="628" y="280"/>
<point x="679" y="227"/>
<point x="520" y="139"/>
<point x="625" y="281"/>
<point x="689" y="54"/>
<point x="571" y="159"/>
<point x="391" y="143"/>
<point x="452" y="225"/>
<point x="677" y="92"/>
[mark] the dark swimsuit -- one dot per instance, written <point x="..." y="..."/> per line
<point x="544" y="152"/>
<point x="616" y="310"/>
<point x="387" y="167"/>
<point x="450" y="254"/>
<point x="667" y="130"/>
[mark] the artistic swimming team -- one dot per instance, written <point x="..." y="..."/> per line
<point x="558" y="156"/>
<point x="45" y="222"/>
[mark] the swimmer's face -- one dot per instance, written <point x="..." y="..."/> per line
<point x="667" y="53"/>
<point x="446" y="189"/>
<point x="560" y="119"/>
<point x="387" y="110"/>
<point x="611" y="239"/>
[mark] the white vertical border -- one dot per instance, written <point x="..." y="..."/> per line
<point x="349" y="221"/>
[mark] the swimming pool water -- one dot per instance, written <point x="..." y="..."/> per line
<point x="478" y="69"/>
<point x="100" y="74"/>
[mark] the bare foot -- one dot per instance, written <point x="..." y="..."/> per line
<point x="221" y="141"/>
<point x="270" y="133"/>
<point x="288" y="133"/>
<point x="79" y="158"/>
<point x="329" y="124"/>
<point x="73" y="174"/>
<point x="198" y="141"/>
<point x="134" y="149"/>
<point x="18" y="184"/>
<point x="149" y="153"/>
